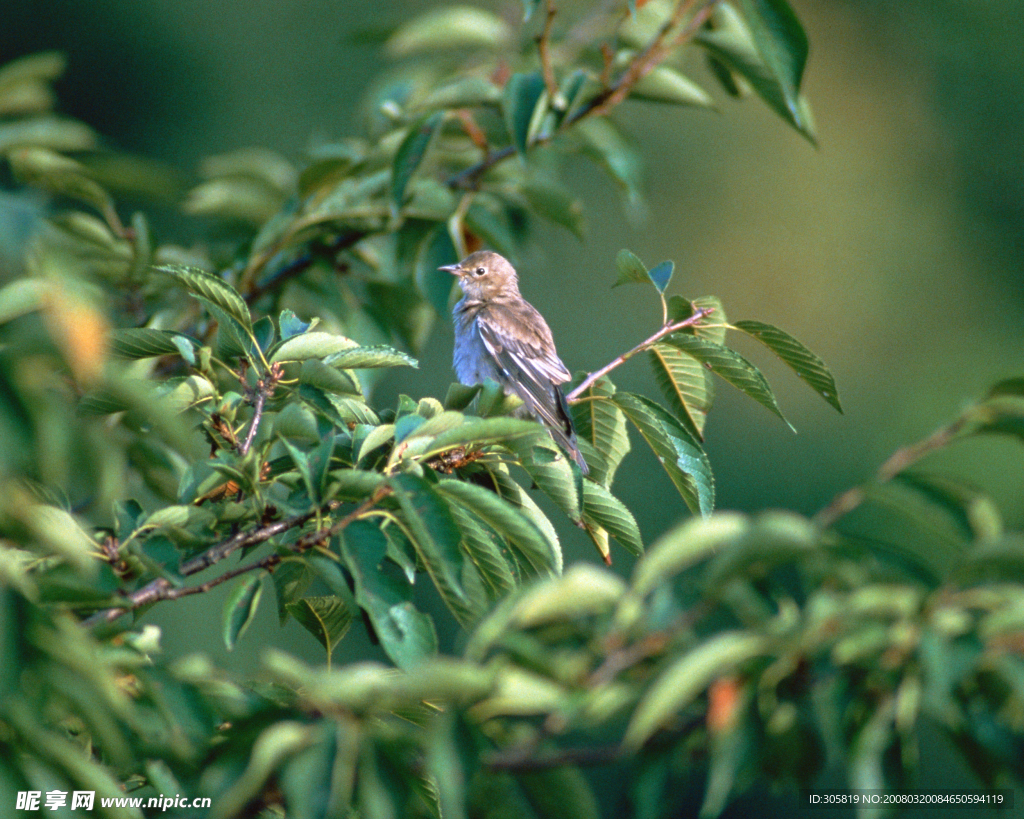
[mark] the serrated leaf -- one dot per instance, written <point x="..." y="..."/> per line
<point x="602" y="508"/>
<point x="505" y="519"/>
<point x="481" y="548"/>
<point x="731" y="366"/>
<point x="797" y="357"/>
<point x="433" y="532"/>
<point x="313" y="344"/>
<point x="685" y="383"/>
<point x="549" y="469"/>
<point x="327" y="618"/>
<point x="601" y="424"/>
<point x="212" y="288"/>
<point x="382" y="591"/>
<point x="522" y="97"/>
<point x="685" y="679"/>
<point x="678" y="452"/>
<point x="240" y="607"/>
<point x="782" y="43"/>
<point x="145" y="342"/>
<point x="410" y="154"/>
<point x="381" y="355"/>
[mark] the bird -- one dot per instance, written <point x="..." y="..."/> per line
<point x="501" y="336"/>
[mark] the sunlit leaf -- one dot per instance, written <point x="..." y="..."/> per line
<point x="145" y="342"/>
<point x="601" y="424"/>
<point x="212" y="288"/>
<point x="676" y="449"/>
<point x="731" y="366"/>
<point x="601" y="507"/>
<point x="685" y="383"/>
<point x="504" y="519"/>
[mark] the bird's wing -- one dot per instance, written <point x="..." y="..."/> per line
<point x="521" y="344"/>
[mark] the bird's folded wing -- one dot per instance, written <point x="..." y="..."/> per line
<point x="533" y="368"/>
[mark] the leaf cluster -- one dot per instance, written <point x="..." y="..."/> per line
<point x="176" y="418"/>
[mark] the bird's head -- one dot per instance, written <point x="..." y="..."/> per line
<point x="485" y="275"/>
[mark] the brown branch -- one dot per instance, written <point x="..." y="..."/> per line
<point x="544" y="52"/>
<point x="163" y="589"/>
<point x="618" y="361"/>
<point x="641" y="66"/>
<point x="264" y="389"/>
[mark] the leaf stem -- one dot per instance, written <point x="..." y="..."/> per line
<point x="618" y="361"/>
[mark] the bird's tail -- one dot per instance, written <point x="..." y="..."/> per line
<point x="565" y="436"/>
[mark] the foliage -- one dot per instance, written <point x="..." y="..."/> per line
<point x="168" y="409"/>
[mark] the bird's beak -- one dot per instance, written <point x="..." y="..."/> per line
<point x="454" y="269"/>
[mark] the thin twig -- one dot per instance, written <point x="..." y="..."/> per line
<point x="641" y="66"/>
<point x="264" y="389"/>
<point x="901" y="459"/>
<point x="544" y="52"/>
<point x="618" y="361"/>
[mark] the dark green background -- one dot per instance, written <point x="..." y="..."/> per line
<point x="893" y="249"/>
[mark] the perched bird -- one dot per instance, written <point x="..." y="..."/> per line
<point x="501" y="336"/>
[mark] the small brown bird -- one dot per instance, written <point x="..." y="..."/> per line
<point x="501" y="336"/>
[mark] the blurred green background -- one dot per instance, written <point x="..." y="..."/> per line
<point x="893" y="249"/>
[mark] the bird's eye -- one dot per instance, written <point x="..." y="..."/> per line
<point x="479" y="271"/>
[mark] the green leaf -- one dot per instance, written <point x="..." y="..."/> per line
<point x="481" y="548"/>
<point x="549" y="469"/>
<point x="482" y="431"/>
<point x="314" y="344"/>
<point x="436" y="285"/>
<point x="522" y="103"/>
<point x="631" y="269"/>
<point x="465" y="92"/>
<point x="661" y="274"/>
<point x="731" y="366"/>
<point x="665" y="84"/>
<point x="58" y="174"/>
<point x="797" y="357"/>
<point x="602" y="425"/>
<point x="453" y="29"/>
<point x="42" y="135"/>
<point x="685" y="679"/>
<point x="685" y="383"/>
<point x="410" y="154"/>
<point x="782" y="43"/>
<point x="240" y="607"/>
<point x="290" y="325"/>
<point x="382" y="591"/>
<point x="731" y="42"/>
<point x="430" y="527"/>
<point x="676" y="449"/>
<point x="358" y="358"/>
<point x="212" y="288"/>
<point x="612" y="150"/>
<point x="144" y="342"/>
<point x="506" y="520"/>
<point x="602" y="508"/>
<point x="326" y="618"/>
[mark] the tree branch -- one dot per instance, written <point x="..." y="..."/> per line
<point x="544" y="52"/>
<point x="904" y="457"/>
<point x="618" y="361"/>
<point x="264" y="389"/>
<point x="163" y="589"/>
